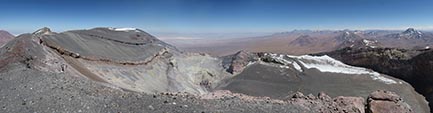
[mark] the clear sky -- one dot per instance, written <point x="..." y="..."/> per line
<point x="216" y="16"/>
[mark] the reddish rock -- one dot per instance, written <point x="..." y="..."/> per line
<point x="324" y="104"/>
<point x="355" y="104"/>
<point x="239" y="61"/>
<point x="5" y="37"/>
<point x="387" y="102"/>
<point x="386" y="107"/>
<point x="385" y="95"/>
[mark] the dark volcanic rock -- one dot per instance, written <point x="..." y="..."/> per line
<point x="422" y="80"/>
<point x="413" y="66"/>
<point x="390" y="61"/>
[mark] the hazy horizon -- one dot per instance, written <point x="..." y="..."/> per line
<point x="223" y="35"/>
<point x="219" y="17"/>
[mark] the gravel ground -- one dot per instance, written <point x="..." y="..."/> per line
<point x="28" y="90"/>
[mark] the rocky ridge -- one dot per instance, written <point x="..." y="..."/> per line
<point x="5" y="37"/>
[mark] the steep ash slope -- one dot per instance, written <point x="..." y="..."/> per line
<point x="128" y="59"/>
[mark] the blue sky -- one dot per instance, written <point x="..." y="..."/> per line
<point x="216" y="16"/>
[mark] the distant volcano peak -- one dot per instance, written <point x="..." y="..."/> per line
<point x="409" y="30"/>
<point x="42" y="31"/>
<point x="412" y="33"/>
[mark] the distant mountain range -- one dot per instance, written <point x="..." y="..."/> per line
<point x="320" y="41"/>
<point x="300" y="42"/>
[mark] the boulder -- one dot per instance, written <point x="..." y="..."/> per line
<point x="387" y="102"/>
<point x="355" y="104"/>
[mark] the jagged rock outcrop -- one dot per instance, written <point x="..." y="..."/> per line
<point x="237" y="62"/>
<point x="387" y="102"/>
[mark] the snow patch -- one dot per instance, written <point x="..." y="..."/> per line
<point x="368" y="42"/>
<point x="124" y="29"/>
<point x="251" y="63"/>
<point x="38" y="31"/>
<point x="377" y="76"/>
<point x="281" y="58"/>
<point x="297" y="67"/>
<point x="328" y="64"/>
<point x="283" y="66"/>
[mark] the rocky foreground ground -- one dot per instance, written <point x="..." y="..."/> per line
<point x="26" y="90"/>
